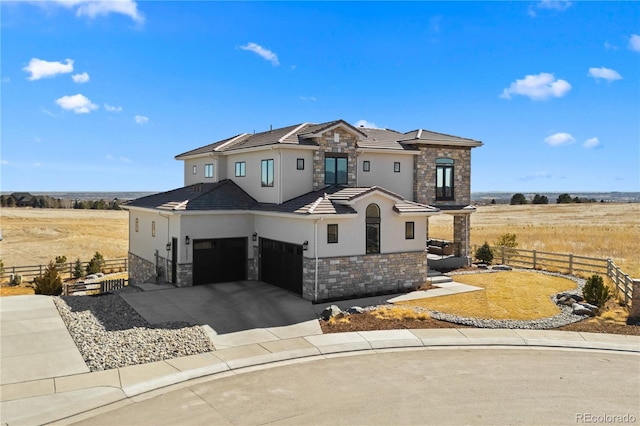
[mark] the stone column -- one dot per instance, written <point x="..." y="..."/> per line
<point x="634" y="314"/>
<point x="461" y="234"/>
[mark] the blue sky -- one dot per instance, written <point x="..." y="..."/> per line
<point x="100" y="96"/>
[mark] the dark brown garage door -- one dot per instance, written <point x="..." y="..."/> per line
<point x="281" y="264"/>
<point x="219" y="260"/>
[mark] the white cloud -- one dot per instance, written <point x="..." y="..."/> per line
<point x="366" y="124"/>
<point x="538" y="175"/>
<point x="537" y="87"/>
<point x="6" y="79"/>
<point x="560" y="5"/>
<point x="111" y="108"/>
<point x="308" y="98"/>
<point x="4" y="162"/>
<point x="43" y="69"/>
<point x="37" y="164"/>
<point x="79" y="104"/>
<point x="591" y="143"/>
<point x="559" y="139"/>
<point x="604" y="73"/>
<point x="46" y="111"/>
<point x="80" y="78"/>
<point x="265" y="53"/>
<point x="610" y="46"/>
<point x="141" y="119"/>
<point x="94" y="8"/>
<point x="634" y="42"/>
<point x="110" y="157"/>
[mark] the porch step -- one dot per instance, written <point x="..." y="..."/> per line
<point x="433" y="273"/>
<point x="439" y="279"/>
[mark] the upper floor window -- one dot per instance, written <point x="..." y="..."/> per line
<point x="396" y="167"/>
<point x="136" y="224"/>
<point x="300" y="164"/>
<point x="208" y="170"/>
<point x="241" y="169"/>
<point x="373" y="228"/>
<point x="366" y="166"/>
<point x="335" y="170"/>
<point x="153" y="228"/>
<point x="194" y="169"/>
<point x="409" y="230"/>
<point x="444" y="179"/>
<point x="332" y="233"/>
<point x="267" y="173"/>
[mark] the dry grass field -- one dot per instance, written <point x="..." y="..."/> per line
<point x="594" y="230"/>
<point x="36" y="236"/>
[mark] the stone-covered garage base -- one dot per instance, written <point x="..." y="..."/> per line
<point x="355" y="276"/>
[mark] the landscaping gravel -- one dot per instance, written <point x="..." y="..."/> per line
<point x="110" y="334"/>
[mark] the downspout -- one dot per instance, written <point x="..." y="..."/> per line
<point x="315" y="252"/>
<point x="279" y="176"/>
<point x="166" y="258"/>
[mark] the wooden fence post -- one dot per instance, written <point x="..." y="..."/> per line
<point x="534" y="259"/>
<point x="570" y="263"/>
<point x="502" y="252"/>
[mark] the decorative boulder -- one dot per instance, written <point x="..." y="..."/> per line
<point x="330" y="311"/>
<point x="578" y="309"/>
<point x="501" y="268"/>
<point x="354" y="310"/>
<point x="592" y="308"/>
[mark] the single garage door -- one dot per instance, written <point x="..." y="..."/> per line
<point x="219" y="260"/>
<point x="281" y="264"/>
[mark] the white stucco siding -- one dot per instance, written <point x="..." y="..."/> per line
<point x="252" y="181"/>
<point x="212" y="226"/>
<point x="142" y="243"/>
<point x="190" y="178"/>
<point x="296" y="182"/>
<point x="287" y="228"/>
<point x="382" y="172"/>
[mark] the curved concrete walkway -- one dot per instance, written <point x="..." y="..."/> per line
<point x="58" y="392"/>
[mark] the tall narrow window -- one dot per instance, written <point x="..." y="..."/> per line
<point x="194" y="169"/>
<point x="409" y="230"/>
<point x="153" y="228"/>
<point x="366" y="166"/>
<point x="444" y="179"/>
<point x="332" y="233"/>
<point x="136" y="224"/>
<point x="396" y="167"/>
<point x="300" y="164"/>
<point x="267" y="173"/>
<point x="241" y="169"/>
<point x="208" y="170"/>
<point x="373" y="228"/>
<point x="335" y="170"/>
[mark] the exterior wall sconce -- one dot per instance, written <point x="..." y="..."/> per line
<point x="305" y="246"/>
<point x="254" y="237"/>
<point x="187" y="240"/>
<point x="168" y="246"/>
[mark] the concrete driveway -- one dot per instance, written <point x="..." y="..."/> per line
<point x="228" y="307"/>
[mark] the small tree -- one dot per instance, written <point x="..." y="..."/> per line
<point x="77" y="269"/>
<point x="540" y="199"/>
<point x="564" y="199"/>
<point x="518" y="199"/>
<point x="595" y="292"/>
<point x="508" y="241"/>
<point x="95" y="264"/>
<point x="50" y="282"/>
<point x="1" y="267"/>
<point x="484" y="254"/>
<point x="61" y="262"/>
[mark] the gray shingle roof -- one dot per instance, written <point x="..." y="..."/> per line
<point x="301" y="134"/>
<point x="223" y="195"/>
<point x="316" y="202"/>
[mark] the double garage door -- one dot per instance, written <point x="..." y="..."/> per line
<point x="219" y="260"/>
<point x="281" y="264"/>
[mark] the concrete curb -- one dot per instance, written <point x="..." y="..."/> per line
<point x="59" y="398"/>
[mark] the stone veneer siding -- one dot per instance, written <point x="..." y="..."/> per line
<point x="348" y="276"/>
<point x="140" y="270"/>
<point x="252" y="266"/>
<point x="424" y="178"/>
<point x="347" y="145"/>
<point x="462" y="234"/>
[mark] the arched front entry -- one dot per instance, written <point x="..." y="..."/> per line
<point x="373" y="228"/>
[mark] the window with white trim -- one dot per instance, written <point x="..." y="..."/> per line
<point x="208" y="170"/>
<point x="241" y="169"/>
<point x="267" y="173"/>
<point x="332" y="233"/>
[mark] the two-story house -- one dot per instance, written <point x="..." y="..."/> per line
<point x="324" y="210"/>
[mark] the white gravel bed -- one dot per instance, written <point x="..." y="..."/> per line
<point x="110" y="334"/>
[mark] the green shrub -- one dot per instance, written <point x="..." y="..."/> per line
<point x="484" y="254"/>
<point x="595" y="291"/>
<point x="77" y="269"/>
<point x="49" y="283"/>
<point x="518" y="199"/>
<point x="95" y="264"/>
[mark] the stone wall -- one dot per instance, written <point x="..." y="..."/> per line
<point x="343" y="277"/>
<point x="347" y="145"/>
<point x="252" y="266"/>
<point x="462" y="234"/>
<point x="424" y="178"/>
<point x="140" y="270"/>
